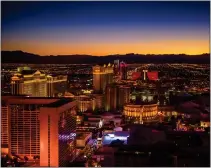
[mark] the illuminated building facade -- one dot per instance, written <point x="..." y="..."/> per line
<point x="56" y="85"/>
<point x="4" y="127"/>
<point x="35" y="83"/>
<point x="85" y="103"/>
<point x="102" y="75"/>
<point x="29" y="82"/>
<point x="142" y="96"/>
<point x="116" y="96"/>
<point x="123" y="96"/>
<point x="5" y="120"/>
<point x="24" y="125"/>
<point x="57" y="133"/>
<point x="205" y="123"/>
<point x="141" y="113"/>
<point x="99" y="99"/>
<point x="167" y="111"/>
<point x="136" y="75"/>
<point x="98" y="79"/>
<point x="109" y="69"/>
<point x="147" y="96"/>
<point x="111" y="97"/>
<point x="153" y="75"/>
<point x="79" y="120"/>
<point x="15" y="85"/>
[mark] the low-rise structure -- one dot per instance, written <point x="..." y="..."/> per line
<point x="144" y="113"/>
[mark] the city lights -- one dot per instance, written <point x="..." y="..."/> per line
<point x="105" y="84"/>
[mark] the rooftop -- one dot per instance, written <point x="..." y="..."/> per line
<point x="28" y="72"/>
<point x="141" y="104"/>
<point x="59" y="103"/>
<point x="105" y="150"/>
<point x="82" y="135"/>
<point x="26" y="97"/>
<point x="15" y="95"/>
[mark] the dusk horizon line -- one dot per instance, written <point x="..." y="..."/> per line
<point x="102" y="55"/>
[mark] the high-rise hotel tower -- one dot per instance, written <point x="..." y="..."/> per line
<point x="39" y="126"/>
<point x="102" y="75"/>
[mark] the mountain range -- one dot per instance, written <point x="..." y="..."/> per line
<point x="24" y="57"/>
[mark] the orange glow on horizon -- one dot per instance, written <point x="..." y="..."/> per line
<point x="189" y="47"/>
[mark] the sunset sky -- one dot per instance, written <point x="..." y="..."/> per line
<point x="102" y="28"/>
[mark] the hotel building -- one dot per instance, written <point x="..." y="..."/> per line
<point x="24" y="125"/>
<point x="58" y="133"/>
<point x="4" y="127"/>
<point x="5" y="134"/>
<point x="35" y="83"/>
<point x="102" y="75"/>
<point x="56" y="85"/>
<point x="99" y="99"/>
<point x="85" y="103"/>
<point x="111" y="97"/>
<point x="123" y="95"/>
<point x="116" y="96"/>
<point x="141" y="113"/>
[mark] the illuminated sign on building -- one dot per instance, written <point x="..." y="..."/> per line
<point x="87" y="91"/>
<point x="152" y="75"/>
<point x="136" y="75"/>
<point x="67" y="137"/>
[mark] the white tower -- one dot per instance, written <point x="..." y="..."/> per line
<point x="145" y="71"/>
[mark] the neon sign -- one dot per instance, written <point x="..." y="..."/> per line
<point x="152" y="75"/>
<point x="67" y="137"/>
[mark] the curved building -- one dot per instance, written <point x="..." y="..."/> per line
<point x="145" y="113"/>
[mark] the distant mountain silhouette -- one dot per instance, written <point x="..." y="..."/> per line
<point x="23" y="57"/>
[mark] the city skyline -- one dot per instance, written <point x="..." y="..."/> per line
<point x="104" y="28"/>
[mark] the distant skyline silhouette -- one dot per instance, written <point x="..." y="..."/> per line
<point x="23" y="57"/>
<point x="106" y="28"/>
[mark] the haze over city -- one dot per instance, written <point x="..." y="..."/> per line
<point x="103" y="28"/>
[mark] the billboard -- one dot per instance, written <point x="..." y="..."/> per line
<point x="153" y="75"/>
<point x="136" y="75"/>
